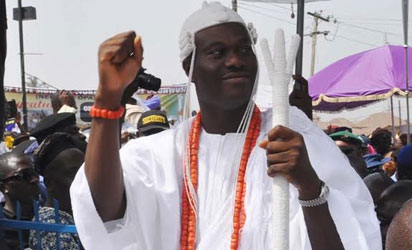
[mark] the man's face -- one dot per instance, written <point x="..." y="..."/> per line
<point x="22" y="183"/>
<point x="354" y="155"/>
<point x="61" y="171"/>
<point x="225" y="66"/>
<point x="348" y="148"/>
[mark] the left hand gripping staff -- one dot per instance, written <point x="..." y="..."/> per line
<point x="280" y="74"/>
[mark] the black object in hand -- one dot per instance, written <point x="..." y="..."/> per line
<point x="142" y="80"/>
<point x="147" y="81"/>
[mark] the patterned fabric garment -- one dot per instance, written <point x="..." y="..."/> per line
<point x="48" y="239"/>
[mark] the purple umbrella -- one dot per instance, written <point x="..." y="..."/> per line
<point x="360" y="79"/>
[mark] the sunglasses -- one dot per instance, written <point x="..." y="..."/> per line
<point x="24" y="175"/>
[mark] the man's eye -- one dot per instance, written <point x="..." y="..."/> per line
<point x="216" y="52"/>
<point x="246" y="49"/>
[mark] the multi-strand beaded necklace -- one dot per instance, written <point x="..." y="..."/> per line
<point x="188" y="219"/>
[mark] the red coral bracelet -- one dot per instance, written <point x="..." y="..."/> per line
<point x="106" y="114"/>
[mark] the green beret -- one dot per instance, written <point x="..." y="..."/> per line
<point x="346" y="136"/>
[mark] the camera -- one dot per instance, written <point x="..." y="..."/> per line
<point x="147" y="81"/>
<point x="142" y="80"/>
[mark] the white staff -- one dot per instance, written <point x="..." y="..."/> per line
<point x="280" y="74"/>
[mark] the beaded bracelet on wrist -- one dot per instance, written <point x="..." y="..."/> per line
<point x="106" y="114"/>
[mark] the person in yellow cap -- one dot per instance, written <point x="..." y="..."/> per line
<point x="152" y="122"/>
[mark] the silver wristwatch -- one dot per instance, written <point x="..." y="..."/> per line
<point x="322" y="199"/>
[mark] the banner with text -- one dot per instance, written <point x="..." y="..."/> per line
<point x="38" y="102"/>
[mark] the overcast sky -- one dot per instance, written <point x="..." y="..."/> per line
<point x="67" y="34"/>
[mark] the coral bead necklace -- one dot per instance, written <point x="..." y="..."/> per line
<point x="188" y="217"/>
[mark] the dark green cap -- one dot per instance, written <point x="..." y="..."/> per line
<point x="346" y="137"/>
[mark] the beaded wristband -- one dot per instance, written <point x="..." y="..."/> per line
<point x="106" y="114"/>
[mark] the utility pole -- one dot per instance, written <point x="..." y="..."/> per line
<point x="3" y="50"/>
<point x="23" y="80"/>
<point x="234" y="5"/>
<point x="316" y="17"/>
<point x="21" y="14"/>
<point x="400" y="115"/>
<point x="393" y="122"/>
<point x="405" y="14"/>
<point x="385" y="39"/>
<point x="299" y="30"/>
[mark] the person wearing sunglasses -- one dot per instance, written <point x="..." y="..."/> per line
<point x="19" y="182"/>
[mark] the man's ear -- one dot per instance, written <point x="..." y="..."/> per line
<point x="186" y="64"/>
<point x="186" y="67"/>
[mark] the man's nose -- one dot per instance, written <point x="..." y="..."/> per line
<point x="234" y="60"/>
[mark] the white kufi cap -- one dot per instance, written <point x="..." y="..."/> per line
<point x="209" y="15"/>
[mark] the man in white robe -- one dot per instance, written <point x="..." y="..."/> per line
<point x="132" y="200"/>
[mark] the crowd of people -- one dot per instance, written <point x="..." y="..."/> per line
<point x="384" y="164"/>
<point x="206" y="184"/>
<point x="40" y="165"/>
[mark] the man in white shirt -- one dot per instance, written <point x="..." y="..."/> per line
<point x="138" y="199"/>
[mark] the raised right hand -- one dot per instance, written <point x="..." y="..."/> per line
<point x="66" y="98"/>
<point x="120" y="58"/>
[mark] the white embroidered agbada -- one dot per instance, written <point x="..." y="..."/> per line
<point x="153" y="171"/>
<point x="153" y="177"/>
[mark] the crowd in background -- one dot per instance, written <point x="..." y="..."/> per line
<point x="385" y="166"/>
<point x="41" y="164"/>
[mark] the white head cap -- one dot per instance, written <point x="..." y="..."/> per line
<point x="209" y="15"/>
